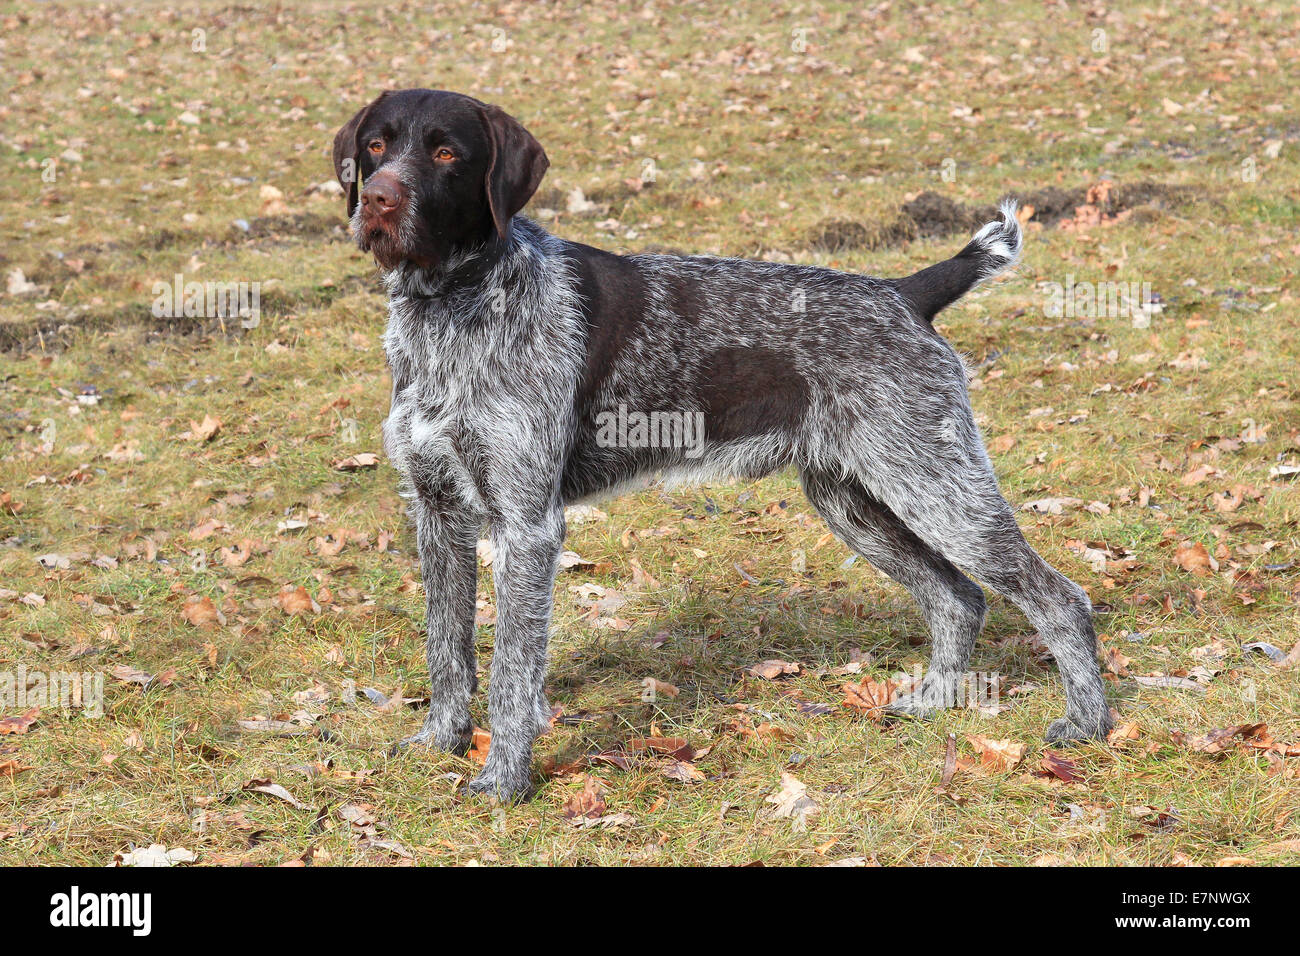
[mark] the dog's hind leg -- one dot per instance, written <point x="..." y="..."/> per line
<point x="945" y="492"/>
<point x="952" y="604"/>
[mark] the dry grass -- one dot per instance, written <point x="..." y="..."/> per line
<point x="759" y="150"/>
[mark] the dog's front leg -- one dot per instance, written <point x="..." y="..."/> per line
<point x="523" y="566"/>
<point x="446" y="533"/>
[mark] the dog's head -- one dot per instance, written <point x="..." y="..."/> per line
<point x="428" y="173"/>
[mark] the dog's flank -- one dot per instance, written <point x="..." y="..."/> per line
<point x="510" y="347"/>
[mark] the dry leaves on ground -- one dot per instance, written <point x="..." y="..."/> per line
<point x="791" y="801"/>
<point x="997" y="756"/>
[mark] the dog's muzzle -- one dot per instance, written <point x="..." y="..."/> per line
<point x="382" y="202"/>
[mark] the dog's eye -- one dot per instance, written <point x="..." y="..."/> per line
<point x="376" y="146"/>
<point x="444" y="155"/>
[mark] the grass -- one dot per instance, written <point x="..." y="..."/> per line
<point x="757" y="149"/>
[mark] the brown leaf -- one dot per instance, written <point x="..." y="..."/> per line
<point x="683" y="771"/>
<point x="675" y="747"/>
<point x="607" y="822"/>
<point x="771" y="670"/>
<point x="296" y="601"/>
<point x="1192" y="557"/>
<point x="1055" y="764"/>
<point x="200" y="612"/>
<point x="997" y="756"/>
<point x="642" y="579"/>
<point x="356" y="462"/>
<point x="1121" y="734"/>
<point x="11" y="768"/>
<point x="870" y="696"/>
<point x="589" y="803"/>
<point x="1003" y="443"/>
<point x="613" y="758"/>
<point x="130" y="675"/>
<point x="479" y="745"/>
<point x="205" y="430"/>
<point x="792" y="801"/>
<point x="660" y="688"/>
<point x="1225" y="738"/>
<point x="949" y="761"/>
<point x="19" y="724"/>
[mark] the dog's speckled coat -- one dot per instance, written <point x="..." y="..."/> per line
<point x="506" y="343"/>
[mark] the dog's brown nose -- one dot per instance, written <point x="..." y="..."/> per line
<point x="382" y="194"/>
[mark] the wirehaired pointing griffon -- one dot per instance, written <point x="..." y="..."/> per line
<point x="509" y="346"/>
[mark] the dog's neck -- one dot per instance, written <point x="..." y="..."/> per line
<point x="462" y="270"/>
<point x="518" y="281"/>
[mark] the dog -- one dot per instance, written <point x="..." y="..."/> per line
<point x="510" y="349"/>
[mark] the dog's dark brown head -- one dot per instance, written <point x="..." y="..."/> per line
<point x="429" y="173"/>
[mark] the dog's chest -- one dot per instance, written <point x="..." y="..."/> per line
<point x="436" y="416"/>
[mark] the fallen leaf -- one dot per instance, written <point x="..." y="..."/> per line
<point x="1224" y="738"/>
<point x="659" y="688"/>
<point x="1121" y="734"/>
<point x="1055" y="764"/>
<point x="130" y="675"/>
<point x="356" y="462"/>
<point x="1167" y="680"/>
<point x="200" y="612"/>
<point x="19" y="724"/>
<point x="1193" y="557"/>
<point x="1051" y="506"/>
<point x="294" y="601"/>
<point x="263" y="785"/>
<point x="949" y="761"/>
<point x="642" y="579"/>
<point x="793" y="802"/>
<point x="205" y="430"/>
<point x="676" y="747"/>
<point x="604" y="823"/>
<point x="480" y="743"/>
<point x="589" y="802"/>
<point x="997" y="756"/>
<point x="771" y="670"/>
<point x="155" y="854"/>
<point x="683" y="771"/>
<point x="567" y="560"/>
<point x="870" y="696"/>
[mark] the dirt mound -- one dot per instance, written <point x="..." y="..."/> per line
<point x="932" y="215"/>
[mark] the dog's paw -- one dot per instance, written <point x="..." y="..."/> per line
<point x="1068" y="731"/>
<point x="506" y="787"/>
<point x="455" y="742"/>
<point x="911" y="705"/>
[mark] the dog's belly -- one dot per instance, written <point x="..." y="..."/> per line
<point x="595" y="471"/>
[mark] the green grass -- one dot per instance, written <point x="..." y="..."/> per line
<point x="757" y="147"/>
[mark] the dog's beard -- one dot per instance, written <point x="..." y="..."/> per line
<point x="388" y="249"/>
<point x="393" y="245"/>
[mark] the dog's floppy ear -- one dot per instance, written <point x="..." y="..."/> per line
<point x="515" y="167"/>
<point x="347" y="155"/>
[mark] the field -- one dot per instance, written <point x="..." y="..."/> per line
<point x="192" y="509"/>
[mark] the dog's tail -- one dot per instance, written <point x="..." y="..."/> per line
<point x="993" y="250"/>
